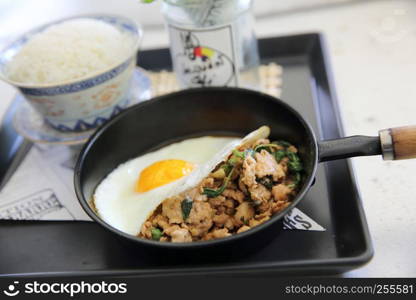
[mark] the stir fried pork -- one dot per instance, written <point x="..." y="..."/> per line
<point x="256" y="182"/>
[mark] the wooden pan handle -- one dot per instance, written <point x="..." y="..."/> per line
<point x="398" y="143"/>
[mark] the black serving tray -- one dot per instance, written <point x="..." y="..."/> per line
<point x="84" y="248"/>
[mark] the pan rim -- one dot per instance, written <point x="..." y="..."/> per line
<point x="197" y="244"/>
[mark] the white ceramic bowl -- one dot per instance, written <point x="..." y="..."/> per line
<point x="83" y="103"/>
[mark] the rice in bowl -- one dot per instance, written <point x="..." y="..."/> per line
<point x="70" y="50"/>
<point x="75" y="72"/>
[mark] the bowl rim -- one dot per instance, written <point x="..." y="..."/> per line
<point x="197" y="244"/>
<point x="138" y="39"/>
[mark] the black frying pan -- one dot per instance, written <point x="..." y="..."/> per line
<point x="218" y="111"/>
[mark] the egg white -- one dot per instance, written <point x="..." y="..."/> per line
<point x="115" y="198"/>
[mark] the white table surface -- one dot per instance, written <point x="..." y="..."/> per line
<point x="372" y="48"/>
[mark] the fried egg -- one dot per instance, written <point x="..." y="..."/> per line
<point x="132" y="191"/>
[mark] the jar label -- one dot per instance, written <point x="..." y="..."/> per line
<point x="204" y="57"/>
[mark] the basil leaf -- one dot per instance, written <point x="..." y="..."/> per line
<point x="239" y="154"/>
<point x="279" y="155"/>
<point x="212" y="193"/>
<point x="267" y="147"/>
<point x="296" y="182"/>
<point x="156" y="233"/>
<point x="227" y="168"/>
<point x="186" y="206"/>
<point x="298" y="178"/>
<point x="266" y="181"/>
<point x="282" y="143"/>
<point x="295" y="166"/>
<point x="294" y="163"/>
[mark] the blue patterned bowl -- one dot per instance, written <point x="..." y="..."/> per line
<point x="84" y="103"/>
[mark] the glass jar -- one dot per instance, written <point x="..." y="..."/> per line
<point x="212" y="42"/>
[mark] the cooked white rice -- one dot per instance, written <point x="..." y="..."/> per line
<point x="69" y="50"/>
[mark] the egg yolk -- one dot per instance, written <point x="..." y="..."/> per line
<point x="161" y="173"/>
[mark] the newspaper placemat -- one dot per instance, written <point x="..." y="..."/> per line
<point x="42" y="187"/>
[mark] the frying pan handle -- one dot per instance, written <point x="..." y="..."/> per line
<point x="351" y="146"/>
<point x="398" y="143"/>
<point x="393" y="143"/>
